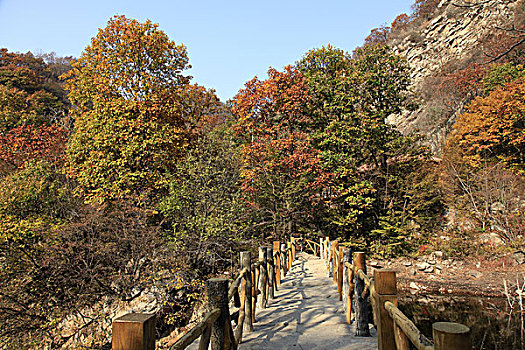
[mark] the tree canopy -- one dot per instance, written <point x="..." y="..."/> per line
<point x="132" y="106"/>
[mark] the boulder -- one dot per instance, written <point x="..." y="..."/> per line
<point x="492" y="238"/>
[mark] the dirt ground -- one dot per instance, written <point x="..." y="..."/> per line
<point x="441" y="275"/>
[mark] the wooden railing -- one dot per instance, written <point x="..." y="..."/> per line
<point x="256" y="282"/>
<point x="253" y="286"/>
<point x="394" y="330"/>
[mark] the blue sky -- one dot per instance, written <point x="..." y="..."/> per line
<point x="228" y="42"/>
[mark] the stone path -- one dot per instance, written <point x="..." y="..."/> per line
<point x="305" y="314"/>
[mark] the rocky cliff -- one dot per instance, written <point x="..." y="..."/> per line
<point x="449" y="39"/>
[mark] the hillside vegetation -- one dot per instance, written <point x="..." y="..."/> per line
<point x="122" y="179"/>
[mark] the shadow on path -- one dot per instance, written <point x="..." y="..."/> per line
<point x="305" y="314"/>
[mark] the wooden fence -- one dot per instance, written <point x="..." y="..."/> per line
<point x="256" y="282"/>
<point x="394" y="330"/>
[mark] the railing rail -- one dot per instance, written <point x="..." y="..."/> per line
<point x="254" y="284"/>
<point x="202" y="329"/>
<point x="409" y="329"/>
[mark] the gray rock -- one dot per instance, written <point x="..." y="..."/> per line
<point x="518" y="257"/>
<point x="475" y="274"/>
<point x="492" y="238"/>
<point x="497" y="207"/>
<point x="375" y="263"/>
<point x="438" y="254"/>
<point x="429" y="269"/>
<point x="423" y="266"/>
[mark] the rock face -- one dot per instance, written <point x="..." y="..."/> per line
<point x="452" y="36"/>
<point x="93" y="324"/>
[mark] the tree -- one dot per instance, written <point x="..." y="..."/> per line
<point x="281" y="173"/>
<point x="204" y="207"/>
<point x="25" y="143"/>
<point x="492" y="129"/>
<point x="365" y="159"/>
<point x="378" y="36"/>
<point x="127" y="89"/>
<point x="29" y="92"/>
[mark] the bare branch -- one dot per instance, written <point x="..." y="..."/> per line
<point x="495" y="58"/>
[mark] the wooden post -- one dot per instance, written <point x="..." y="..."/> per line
<point x="277" y="250"/>
<point x="321" y="248"/>
<point x="361" y="304"/>
<point x="340" y="274"/>
<point x="262" y="277"/>
<point x="241" y="322"/>
<point x="289" y="257"/>
<point x="134" y="331"/>
<point x="292" y="241"/>
<point x="335" y="260"/>
<point x="217" y="290"/>
<point x="347" y="292"/>
<point x="386" y="288"/>
<point x="254" y="293"/>
<point x="246" y="261"/>
<point x="302" y="243"/>
<point x="451" y="336"/>
<point x="284" y="262"/>
<point x="271" y="272"/>
<point x="329" y="260"/>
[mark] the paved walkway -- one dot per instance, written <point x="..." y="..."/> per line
<point x="305" y="314"/>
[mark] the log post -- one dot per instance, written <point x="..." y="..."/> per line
<point x="277" y="250"/>
<point x="386" y="288"/>
<point x="329" y="260"/>
<point x="451" y="336"/>
<point x="254" y="293"/>
<point x="241" y="322"/>
<point x="217" y="290"/>
<point x="361" y="304"/>
<point x="321" y="248"/>
<point x="347" y="295"/>
<point x="335" y="260"/>
<point x="134" y="331"/>
<point x="340" y="274"/>
<point x="262" y="277"/>
<point x="246" y="262"/>
<point x="301" y="247"/>
<point x="289" y="256"/>
<point x="271" y="272"/>
<point x="284" y="262"/>
<point x="292" y="241"/>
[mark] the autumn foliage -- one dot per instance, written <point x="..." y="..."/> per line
<point x="25" y="143"/>
<point x="127" y="90"/>
<point x="493" y="127"/>
<point x="281" y="170"/>
<point x="29" y="92"/>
